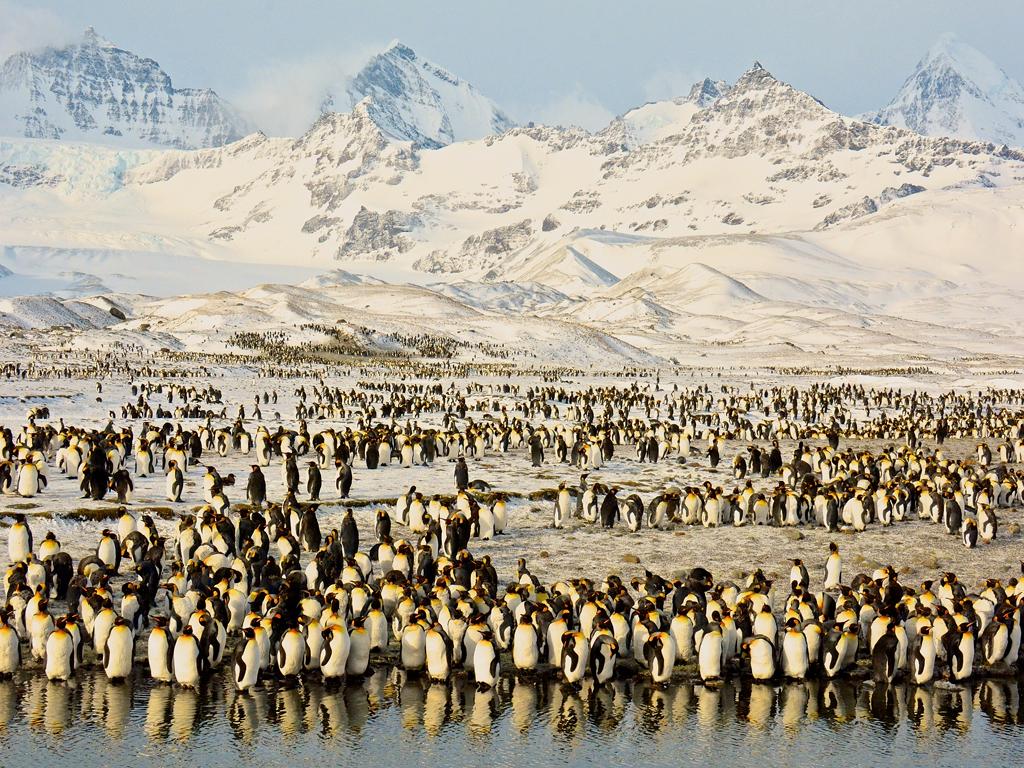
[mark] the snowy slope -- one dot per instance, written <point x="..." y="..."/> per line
<point x="955" y="90"/>
<point x="95" y="91"/>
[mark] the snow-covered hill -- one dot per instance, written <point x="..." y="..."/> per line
<point x="955" y="90"/>
<point x="96" y="91"/>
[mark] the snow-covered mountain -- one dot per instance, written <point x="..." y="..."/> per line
<point x="412" y="99"/>
<point x="759" y="219"/>
<point x="763" y="158"/>
<point x="95" y="91"/>
<point x="955" y="90"/>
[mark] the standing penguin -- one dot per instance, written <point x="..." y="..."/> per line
<point x="247" y="660"/>
<point x="525" y="644"/>
<point x="60" y="653"/>
<point x="175" y="481"/>
<point x="30" y="481"/>
<point x="188" y="660"/>
<point x="121" y="484"/>
<point x="562" y="508"/>
<point x="922" y="657"/>
<point x="970" y="533"/>
<point x="486" y="663"/>
<point x="439" y="649"/>
<point x="309" y="528"/>
<point x="256" y="487"/>
<point x="349" y="534"/>
<point x="833" y="567"/>
<point x="660" y="653"/>
<point x="604" y="652"/>
<point x="988" y="524"/>
<point x="342" y="478"/>
<point x="761" y="652"/>
<point x="119" y="650"/>
<point x="291" y="652"/>
<point x="883" y="655"/>
<point x="19" y="539"/>
<point x="795" y="659"/>
<point x="10" y="645"/>
<point x="461" y="474"/>
<point x="610" y="508"/>
<point x="160" y="651"/>
<point x="313" y="481"/>
<point x="334" y="652"/>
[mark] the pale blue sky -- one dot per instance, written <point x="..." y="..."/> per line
<point x="546" y="60"/>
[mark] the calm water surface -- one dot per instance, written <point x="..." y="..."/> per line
<point x="390" y="719"/>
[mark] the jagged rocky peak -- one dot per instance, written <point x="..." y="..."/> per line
<point x="412" y="99"/>
<point x="94" y="90"/>
<point x="707" y="91"/>
<point x="955" y="90"/>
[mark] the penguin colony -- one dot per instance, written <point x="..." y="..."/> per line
<point x="229" y="588"/>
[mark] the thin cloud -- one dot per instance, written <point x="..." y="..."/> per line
<point x="670" y="83"/>
<point x="285" y="97"/>
<point x="576" y="108"/>
<point x="27" y="28"/>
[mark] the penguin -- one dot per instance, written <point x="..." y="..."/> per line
<point x="604" y="651"/>
<point x="883" y="656"/>
<point x="610" y="508"/>
<point x="988" y="524"/>
<point x="795" y="660"/>
<point x="561" y="506"/>
<point x="349" y="534"/>
<point x="660" y="653"/>
<point x="121" y="483"/>
<point x="10" y="645"/>
<point x="439" y="649"/>
<point x="30" y="480"/>
<point x="291" y="652"/>
<point x="833" y="567"/>
<point x="19" y="539"/>
<point x="342" y="478"/>
<point x="247" y="660"/>
<point x="334" y="652"/>
<point x="922" y="657"/>
<point x="970" y="533"/>
<point x="709" y="653"/>
<point x="313" y="481"/>
<point x="119" y="650"/>
<point x="359" y="650"/>
<point x="486" y="663"/>
<point x="61" y="656"/>
<point x="109" y="551"/>
<point x="525" y="645"/>
<point x="175" y="481"/>
<point x="960" y="653"/>
<point x="256" y="487"/>
<point x="760" y="651"/>
<point x="160" y="651"/>
<point x="309" y="528"/>
<point x="187" y="658"/>
<point x="412" y="646"/>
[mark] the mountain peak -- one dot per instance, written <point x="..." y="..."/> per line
<point x="412" y="99"/>
<point x="399" y="48"/>
<point x="92" y="39"/>
<point x="955" y="90"/>
<point x="755" y="77"/>
<point x="96" y="91"/>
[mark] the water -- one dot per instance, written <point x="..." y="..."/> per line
<point x="391" y="719"/>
